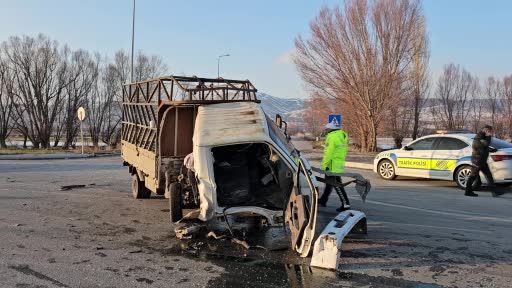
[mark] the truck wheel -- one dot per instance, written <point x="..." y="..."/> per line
<point x="462" y="176"/>
<point x="175" y="209"/>
<point x="139" y="191"/>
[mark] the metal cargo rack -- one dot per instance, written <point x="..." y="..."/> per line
<point x="145" y="101"/>
<point x="158" y="121"/>
<point x="177" y="89"/>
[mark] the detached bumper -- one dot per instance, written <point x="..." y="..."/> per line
<point x="327" y="249"/>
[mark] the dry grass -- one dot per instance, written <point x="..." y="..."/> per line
<point x="87" y="150"/>
<point x="4" y="151"/>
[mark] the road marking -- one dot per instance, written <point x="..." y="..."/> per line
<point x="429" y="226"/>
<point x="462" y="215"/>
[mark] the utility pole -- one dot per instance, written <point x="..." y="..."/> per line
<point x="218" y="63"/>
<point x="133" y="40"/>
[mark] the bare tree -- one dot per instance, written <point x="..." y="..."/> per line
<point x="41" y="72"/>
<point x="317" y="109"/>
<point x="419" y="79"/>
<point x="400" y="117"/>
<point x="493" y="93"/>
<point x="103" y="120"/>
<point x="455" y="89"/>
<point x="110" y="131"/>
<point x="94" y="104"/>
<point x="507" y="104"/>
<point x="104" y="100"/>
<point x="359" y="55"/>
<point x="6" y="103"/>
<point x="147" y="67"/>
<point x="83" y="72"/>
<point x="477" y="111"/>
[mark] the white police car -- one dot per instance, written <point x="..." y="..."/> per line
<point x="445" y="157"/>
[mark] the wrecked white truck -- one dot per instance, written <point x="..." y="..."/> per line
<point x="240" y="163"/>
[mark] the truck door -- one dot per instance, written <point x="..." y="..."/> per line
<point x="301" y="211"/>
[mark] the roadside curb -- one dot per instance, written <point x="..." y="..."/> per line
<point x="357" y="165"/>
<point x="50" y="157"/>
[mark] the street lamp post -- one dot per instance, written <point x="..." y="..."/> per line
<point x="133" y="40"/>
<point x="218" y="64"/>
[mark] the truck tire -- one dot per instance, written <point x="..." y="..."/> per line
<point x="175" y="168"/>
<point x="139" y="191"/>
<point x="175" y="209"/>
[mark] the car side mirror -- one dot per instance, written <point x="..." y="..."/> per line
<point x="285" y="130"/>
<point x="407" y="148"/>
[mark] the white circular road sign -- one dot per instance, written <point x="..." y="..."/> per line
<point x="81" y="113"/>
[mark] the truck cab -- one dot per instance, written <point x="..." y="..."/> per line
<point x="246" y="166"/>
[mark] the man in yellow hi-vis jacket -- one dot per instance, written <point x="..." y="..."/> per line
<point x="335" y="151"/>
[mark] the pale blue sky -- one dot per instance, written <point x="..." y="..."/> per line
<point x="259" y="35"/>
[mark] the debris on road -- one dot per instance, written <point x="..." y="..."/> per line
<point x="187" y="230"/>
<point x="212" y="234"/>
<point x="74" y="186"/>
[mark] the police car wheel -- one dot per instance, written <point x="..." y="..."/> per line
<point x="462" y="176"/>
<point x="386" y="170"/>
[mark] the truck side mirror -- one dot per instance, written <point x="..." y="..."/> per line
<point x="279" y="121"/>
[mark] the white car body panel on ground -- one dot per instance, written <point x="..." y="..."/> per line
<point x="327" y="249"/>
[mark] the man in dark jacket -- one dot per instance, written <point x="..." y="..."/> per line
<point x="481" y="149"/>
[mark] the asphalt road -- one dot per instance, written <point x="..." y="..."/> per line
<point x="420" y="234"/>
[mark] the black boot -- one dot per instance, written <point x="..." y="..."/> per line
<point x="496" y="193"/>
<point x="469" y="187"/>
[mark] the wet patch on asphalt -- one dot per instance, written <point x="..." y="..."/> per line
<point x="257" y="268"/>
<point x="384" y="282"/>
<point x="25" y="269"/>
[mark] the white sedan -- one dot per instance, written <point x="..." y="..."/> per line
<point x="445" y="157"/>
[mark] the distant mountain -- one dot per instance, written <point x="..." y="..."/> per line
<point x="284" y="106"/>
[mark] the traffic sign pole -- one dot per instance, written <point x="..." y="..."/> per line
<point x="81" y="116"/>
<point x="82" y="136"/>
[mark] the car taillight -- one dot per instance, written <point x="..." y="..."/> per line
<point x="498" y="157"/>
